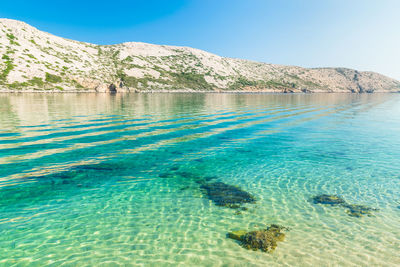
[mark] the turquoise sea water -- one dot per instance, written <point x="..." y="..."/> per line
<point x="113" y="180"/>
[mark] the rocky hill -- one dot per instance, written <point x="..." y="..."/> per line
<point x="36" y="60"/>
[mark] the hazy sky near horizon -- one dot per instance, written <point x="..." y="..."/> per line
<point x="360" y="34"/>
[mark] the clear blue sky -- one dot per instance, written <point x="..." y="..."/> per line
<point x="361" y="34"/>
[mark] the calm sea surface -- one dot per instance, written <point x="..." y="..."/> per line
<point x="115" y="180"/>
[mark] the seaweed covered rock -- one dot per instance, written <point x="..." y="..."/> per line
<point x="353" y="210"/>
<point x="328" y="199"/>
<point x="265" y="240"/>
<point x="227" y="195"/>
<point x="237" y="235"/>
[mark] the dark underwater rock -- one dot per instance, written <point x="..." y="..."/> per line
<point x="174" y="168"/>
<point x="209" y="178"/>
<point x="237" y="235"/>
<point x="187" y="174"/>
<point x="185" y="188"/>
<point x="355" y="210"/>
<point x="227" y="195"/>
<point x="100" y="167"/>
<point x="265" y="240"/>
<point x="166" y="175"/>
<point x="328" y="199"/>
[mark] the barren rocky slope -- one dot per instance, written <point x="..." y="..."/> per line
<point x="35" y="60"/>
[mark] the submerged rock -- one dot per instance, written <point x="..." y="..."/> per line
<point x="185" y="174"/>
<point x="353" y="210"/>
<point x="209" y="178"/>
<point x="328" y="199"/>
<point x="227" y="195"/>
<point x="174" y="168"/>
<point x="99" y="167"/>
<point x="185" y="188"/>
<point x="237" y="235"/>
<point x="166" y="175"/>
<point x="264" y="240"/>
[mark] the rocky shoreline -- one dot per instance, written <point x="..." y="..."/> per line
<point x="184" y="91"/>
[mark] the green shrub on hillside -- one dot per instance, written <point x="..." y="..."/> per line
<point x="36" y="81"/>
<point x="181" y="80"/>
<point x="190" y="80"/>
<point x="242" y="82"/>
<point x="10" y="36"/>
<point x="51" y="78"/>
<point x="8" y="68"/>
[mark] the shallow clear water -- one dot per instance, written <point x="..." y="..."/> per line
<point x="109" y="180"/>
